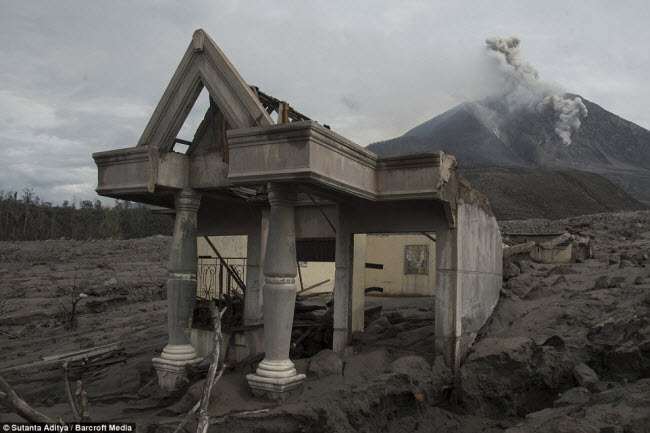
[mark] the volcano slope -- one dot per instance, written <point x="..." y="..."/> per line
<point x="522" y="193"/>
<point x="567" y="348"/>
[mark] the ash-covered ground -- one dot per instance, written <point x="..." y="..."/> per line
<point x="567" y="349"/>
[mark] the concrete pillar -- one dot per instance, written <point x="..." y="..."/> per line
<point x="181" y="294"/>
<point x="253" y="300"/>
<point x="255" y="250"/>
<point x="358" y="282"/>
<point x="342" y="283"/>
<point x="447" y="316"/>
<point x="276" y="374"/>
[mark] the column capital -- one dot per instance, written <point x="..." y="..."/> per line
<point x="281" y="194"/>
<point x="187" y="200"/>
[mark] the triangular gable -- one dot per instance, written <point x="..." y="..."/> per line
<point x="203" y="64"/>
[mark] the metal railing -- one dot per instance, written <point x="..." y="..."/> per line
<point x="215" y="281"/>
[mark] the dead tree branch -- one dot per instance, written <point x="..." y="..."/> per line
<point x="213" y="376"/>
<point x="65" y="309"/>
<point x="75" y="297"/>
<point x="12" y="401"/>
<point x="204" y="418"/>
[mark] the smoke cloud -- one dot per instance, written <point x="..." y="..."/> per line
<point x="522" y="89"/>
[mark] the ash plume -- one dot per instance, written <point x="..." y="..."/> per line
<point x="569" y="113"/>
<point x="507" y="50"/>
<point x="522" y="89"/>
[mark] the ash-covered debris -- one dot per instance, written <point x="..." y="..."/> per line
<point x="567" y="349"/>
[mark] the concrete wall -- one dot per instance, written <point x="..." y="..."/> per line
<point x="479" y="265"/>
<point x="469" y="265"/>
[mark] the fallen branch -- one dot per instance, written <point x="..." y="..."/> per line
<point x="222" y="419"/>
<point x="8" y="334"/>
<point x="12" y="401"/>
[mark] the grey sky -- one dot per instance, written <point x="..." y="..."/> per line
<point x="80" y="76"/>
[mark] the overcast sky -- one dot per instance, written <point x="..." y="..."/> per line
<point x="77" y="77"/>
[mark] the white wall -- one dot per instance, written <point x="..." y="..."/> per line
<point x="388" y="250"/>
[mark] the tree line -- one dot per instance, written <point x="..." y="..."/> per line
<point x="26" y="217"/>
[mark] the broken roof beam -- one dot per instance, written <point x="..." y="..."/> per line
<point x="272" y="104"/>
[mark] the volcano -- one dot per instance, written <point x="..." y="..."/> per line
<point x="489" y="133"/>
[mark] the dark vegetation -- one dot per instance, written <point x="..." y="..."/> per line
<point x="25" y="217"/>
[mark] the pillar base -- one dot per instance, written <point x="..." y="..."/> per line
<point x="339" y="340"/>
<point x="171" y="373"/>
<point x="274" y="388"/>
<point x="274" y="379"/>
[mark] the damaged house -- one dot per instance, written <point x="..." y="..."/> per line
<point x="280" y="183"/>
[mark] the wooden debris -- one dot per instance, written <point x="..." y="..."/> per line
<point x="79" y="402"/>
<point x="82" y="402"/>
<point x="77" y="359"/>
<point x="84" y="353"/>
<point x="68" y="392"/>
<point x="315" y="314"/>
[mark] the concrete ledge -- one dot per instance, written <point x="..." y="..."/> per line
<point x="307" y="151"/>
<point x="139" y="170"/>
